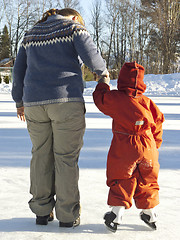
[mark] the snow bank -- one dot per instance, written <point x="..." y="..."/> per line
<point x="163" y="85"/>
<point x="157" y="85"/>
<point x="5" y="88"/>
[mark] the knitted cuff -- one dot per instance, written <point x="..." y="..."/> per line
<point x="19" y="104"/>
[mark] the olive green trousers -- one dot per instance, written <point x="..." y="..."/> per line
<point x="56" y="132"/>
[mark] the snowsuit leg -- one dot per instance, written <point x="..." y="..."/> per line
<point x="142" y="186"/>
<point x="121" y="192"/>
<point x="121" y="165"/>
<point x="135" y="175"/>
<point x="146" y="195"/>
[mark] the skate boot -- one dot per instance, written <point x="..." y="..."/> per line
<point x="43" y="220"/>
<point x="149" y="217"/>
<point x="70" y="224"/>
<point x="114" y="218"/>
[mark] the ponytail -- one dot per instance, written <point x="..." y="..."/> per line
<point x="63" y="12"/>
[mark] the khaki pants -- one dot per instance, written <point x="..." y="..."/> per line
<point x="56" y="132"/>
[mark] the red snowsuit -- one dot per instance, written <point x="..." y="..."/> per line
<point x="132" y="163"/>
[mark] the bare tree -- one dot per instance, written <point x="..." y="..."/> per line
<point x="9" y="17"/>
<point x="1" y="11"/>
<point x="143" y="30"/>
<point x="69" y="4"/>
<point x="111" y="17"/>
<point x="20" y="16"/>
<point x="164" y="15"/>
<point x="121" y="19"/>
<point x="121" y="36"/>
<point x="97" y="23"/>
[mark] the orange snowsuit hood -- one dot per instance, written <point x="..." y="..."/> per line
<point x="130" y="79"/>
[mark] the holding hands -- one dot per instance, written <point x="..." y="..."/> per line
<point x="104" y="77"/>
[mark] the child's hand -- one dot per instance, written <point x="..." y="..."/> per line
<point x="20" y="113"/>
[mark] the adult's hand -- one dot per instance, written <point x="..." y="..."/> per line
<point x="20" y="113"/>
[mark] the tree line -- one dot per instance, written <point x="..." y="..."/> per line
<point x="146" y="31"/>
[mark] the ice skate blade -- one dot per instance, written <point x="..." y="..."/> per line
<point x="152" y="225"/>
<point x="145" y="218"/>
<point x="111" y="229"/>
<point x="109" y="218"/>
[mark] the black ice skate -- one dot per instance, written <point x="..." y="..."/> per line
<point x="146" y="219"/>
<point x="43" y="220"/>
<point x="109" y="218"/>
<point x="70" y="224"/>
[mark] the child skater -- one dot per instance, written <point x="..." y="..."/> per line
<point x="132" y="162"/>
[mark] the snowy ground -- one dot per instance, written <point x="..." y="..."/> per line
<point x="18" y="223"/>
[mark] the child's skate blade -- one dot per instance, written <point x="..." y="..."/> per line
<point x="111" y="226"/>
<point x="109" y="217"/>
<point x="145" y="219"/>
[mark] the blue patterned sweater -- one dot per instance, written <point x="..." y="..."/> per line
<point x="48" y="65"/>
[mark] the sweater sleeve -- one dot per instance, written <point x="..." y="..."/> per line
<point x="88" y="52"/>
<point x="19" y="71"/>
<point x="158" y="119"/>
<point x="103" y="99"/>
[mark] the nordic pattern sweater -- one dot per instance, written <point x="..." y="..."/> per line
<point x="48" y="65"/>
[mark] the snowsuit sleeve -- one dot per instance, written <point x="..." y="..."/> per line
<point x="103" y="99"/>
<point x="19" y="71"/>
<point x="157" y="128"/>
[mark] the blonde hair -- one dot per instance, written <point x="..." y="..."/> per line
<point x="63" y="12"/>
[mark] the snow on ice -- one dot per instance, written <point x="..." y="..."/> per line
<point x="17" y="222"/>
